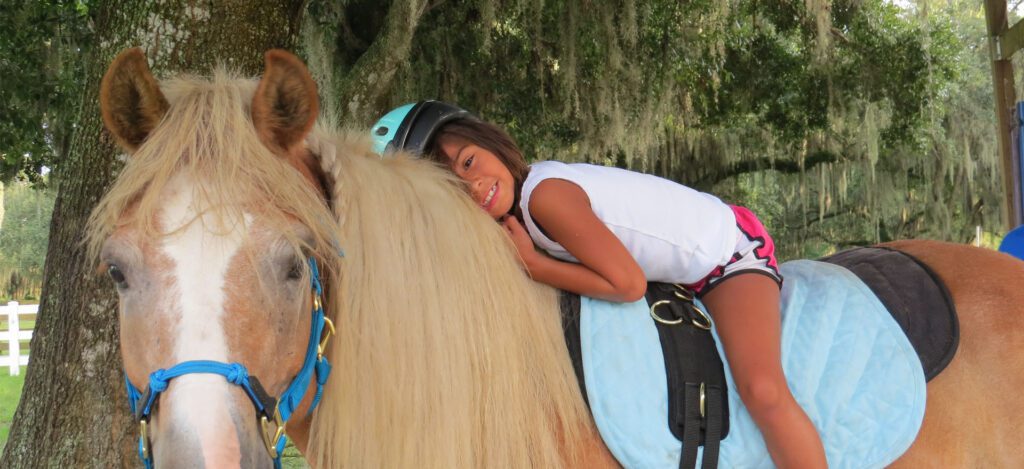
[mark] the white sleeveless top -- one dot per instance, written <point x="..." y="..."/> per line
<point x="675" y="233"/>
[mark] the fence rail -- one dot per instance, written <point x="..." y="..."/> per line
<point x="14" y="334"/>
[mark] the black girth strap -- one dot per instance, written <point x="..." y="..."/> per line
<point x="692" y="368"/>
<point x="698" y="407"/>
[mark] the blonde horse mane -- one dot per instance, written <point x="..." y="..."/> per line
<point x="447" y="354"/>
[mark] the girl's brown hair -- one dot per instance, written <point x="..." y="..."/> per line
<point x="489" y="137"/>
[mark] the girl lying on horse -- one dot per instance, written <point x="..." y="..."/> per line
<point x="605" y="232"/>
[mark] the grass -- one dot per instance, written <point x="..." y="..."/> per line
<point x="10" y="392"/>
<point x="3" y="350"/>
<point x="292" y="459"/>
<point x="23" y="324"/>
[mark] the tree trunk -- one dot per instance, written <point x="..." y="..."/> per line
<point x="361" y="92"/>
<point x="73" y="411"/>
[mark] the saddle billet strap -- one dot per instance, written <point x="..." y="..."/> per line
<point x="713" y="430"/>
<point x="691" y="426"/>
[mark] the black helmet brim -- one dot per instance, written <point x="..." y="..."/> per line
<point x="417" y="130"/>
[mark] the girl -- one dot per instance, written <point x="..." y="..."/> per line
<point x="608" y="231"/>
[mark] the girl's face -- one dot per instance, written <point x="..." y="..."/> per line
<point x="489" y="182"/>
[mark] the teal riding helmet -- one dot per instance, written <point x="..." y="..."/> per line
<point x="410" y="127"/>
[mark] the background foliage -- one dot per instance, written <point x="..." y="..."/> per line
<point x="23" y="240"/>
<point x="41" y="82"/>
<point x="839" y="122"/>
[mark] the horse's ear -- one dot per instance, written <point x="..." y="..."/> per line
<point x="285" y="106"/>
<point x="130" y="99"/>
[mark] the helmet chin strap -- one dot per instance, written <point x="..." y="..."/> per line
<point x="272" y="414"/>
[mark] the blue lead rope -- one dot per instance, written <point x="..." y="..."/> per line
<point x="236" y="373"/>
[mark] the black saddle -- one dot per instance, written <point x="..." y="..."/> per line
<point x="915" y="297"/>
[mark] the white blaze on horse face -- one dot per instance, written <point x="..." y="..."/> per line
<point x="201" y="247"/>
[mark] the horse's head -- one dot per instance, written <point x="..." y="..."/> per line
<point x="207" y="235"/>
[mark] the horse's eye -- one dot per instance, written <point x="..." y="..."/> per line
<point x="296" y="269"/>
<point x="117" y="276"/>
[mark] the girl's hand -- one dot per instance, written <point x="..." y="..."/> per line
<point x="522" y="241"/>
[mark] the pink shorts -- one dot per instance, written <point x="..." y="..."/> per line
<point x="755" y="253"/>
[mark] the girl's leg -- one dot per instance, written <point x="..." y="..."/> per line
<point x="745" y="309"/>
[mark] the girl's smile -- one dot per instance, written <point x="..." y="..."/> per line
<point x="486" y="204"/>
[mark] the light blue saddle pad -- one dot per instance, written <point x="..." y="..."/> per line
<point x="847" y="362"/>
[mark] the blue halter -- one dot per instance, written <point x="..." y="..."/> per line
<point x="273" y="414"/>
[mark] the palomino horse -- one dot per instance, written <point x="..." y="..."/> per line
<point x="446" y="355"/>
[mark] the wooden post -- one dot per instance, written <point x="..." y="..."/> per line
<point x="1004" y="94"/>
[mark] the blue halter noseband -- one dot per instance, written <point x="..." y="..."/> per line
<point x="273" y="414"/>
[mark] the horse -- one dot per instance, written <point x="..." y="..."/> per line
<point x="446" y="354"/>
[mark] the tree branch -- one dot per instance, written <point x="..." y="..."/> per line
<point x="814" y="218"/>
<point x="432" y="6"/>
<point x="768" y="164"/>
<point x="838" y="34"/>
<point x="368" y="82"/>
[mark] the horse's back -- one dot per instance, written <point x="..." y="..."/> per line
<point x="975" y="412"/>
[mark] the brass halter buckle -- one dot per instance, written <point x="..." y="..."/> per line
<point x="272" y="432"/>
<point x="328" y="332"/>
<point x="144" y="439"/>
<point x="316" y="302"/>
<point x="328" y="328"/>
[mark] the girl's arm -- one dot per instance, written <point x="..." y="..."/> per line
<point x="606" y="271"/>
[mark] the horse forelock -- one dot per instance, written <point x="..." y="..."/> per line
<point x="207" y="133"/>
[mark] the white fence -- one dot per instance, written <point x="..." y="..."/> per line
<point x="14" y="335"/>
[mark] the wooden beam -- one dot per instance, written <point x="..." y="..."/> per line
<point x="1010" y="41"/>
<point x="1002" y="80"/>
